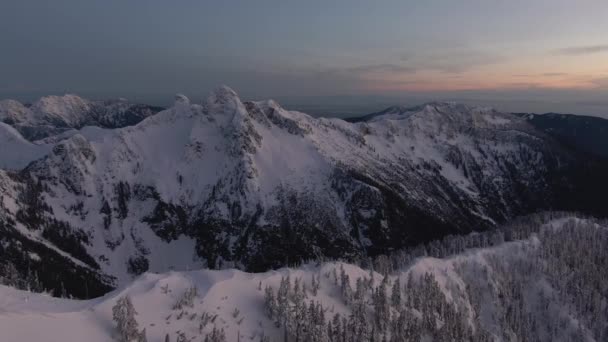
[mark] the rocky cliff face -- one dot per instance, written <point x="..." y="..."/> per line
<point x="252" y="185"/>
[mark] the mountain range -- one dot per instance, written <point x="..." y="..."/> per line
<point x="96" y="192"/>
<point x="51" y="115"/>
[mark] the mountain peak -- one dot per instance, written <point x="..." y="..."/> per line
<point x="454" y="106"/>
<point x="181" y="99"/>
<point x="10" y="103"/>
<point x="223" y="94"/>
<point x="12" y="111"/>
<point x="437" y="109"/>
<point x="64" y="100"/>
<point x="224" y="100"/>
<point x="66" y="110"/>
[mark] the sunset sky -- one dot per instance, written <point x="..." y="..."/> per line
<point x="554" y="51"/>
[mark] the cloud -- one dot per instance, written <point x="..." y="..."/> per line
<point x="451" y="61"/>
<point x="390" y="68"/>
<point x="601" y="82"/>
<point x="520" y="85"/>
<point x="554" y="74"/>
<point x="582" y="50"/>
<point x="359" y="73"/>
<point x="353" y="77"/>
<point x="546" y="74"/>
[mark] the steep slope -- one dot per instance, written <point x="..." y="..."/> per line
<point x="535" y="287"/>
<point x="14" y="112"/>
<point x="47" y="254"/>
<point x="251" y="185"/>
<point x="17" y="151"/>
<point x="585" y="133"/>
<point x="52" y="115"/>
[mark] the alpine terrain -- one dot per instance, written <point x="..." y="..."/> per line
<point x="406" y="187"/>
<point x="540" y="278"/>
<point x="250" y="185"/>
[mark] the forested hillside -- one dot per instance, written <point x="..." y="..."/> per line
<point x="539" y="278"/>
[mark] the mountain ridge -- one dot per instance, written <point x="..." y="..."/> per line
<point x="228" y="183"/>
<point x="51" y="115"/>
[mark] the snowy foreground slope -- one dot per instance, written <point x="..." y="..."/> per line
<point x="547" y="283"/>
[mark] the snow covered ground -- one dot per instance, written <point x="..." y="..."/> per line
<point x="501" y="293"/>
<point x="219" y="293"/>
<point x="17" y="152"/>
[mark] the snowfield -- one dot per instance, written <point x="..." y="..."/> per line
<point x="502" y="292"/>
<point x="17" y="152"/>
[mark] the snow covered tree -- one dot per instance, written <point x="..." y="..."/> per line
<point x="142" y="336"/>
<point x="270" y="303"/>
<point x="123" y="313"/>
<point x="186" y="299"/>
<point x="345" y="287"/>
<point x="315" y="284"/>
<point x="9" y="275"/>
<point x="282" y="307"/>
<point x="181" y="337"/>
<point x="396" y="293"/>
<point x="381" y="305"/>
<point x="216" y="335"/>
<point x="299" y="311"/>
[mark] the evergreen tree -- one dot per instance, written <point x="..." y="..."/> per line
<point x="216" y="335"/>
<point x="381" y="305"/>
<point x="396" y="293"/>
<point x="123" y="313"/>
<point x="282" y="308"/>
<point x="270" y="303"/>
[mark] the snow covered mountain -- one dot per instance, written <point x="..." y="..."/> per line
<point x="251" y="185"/>
<point x="51" y="115"/>
<point x="539" y="279"/>
<point x="18" y="151"/>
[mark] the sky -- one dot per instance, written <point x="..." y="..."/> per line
<point x="534" y="55"/>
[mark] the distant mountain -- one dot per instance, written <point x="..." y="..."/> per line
<point x="52" y="115"/>
<point x="585" y="133"/>
<point x="393" y="110"/>
<point x="251" y="185"/>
